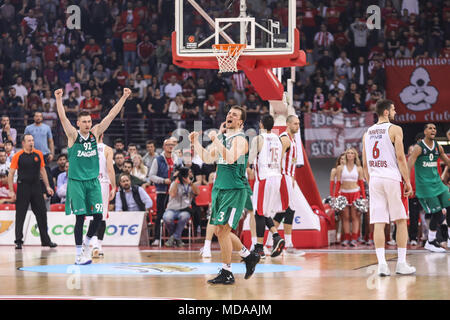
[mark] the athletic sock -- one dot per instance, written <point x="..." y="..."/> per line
<point x="431" y="235"/>
<point x="226" y="266"/>
<point x="401" y="252"/>
<point x="207" y="244"/>
<point x="87" y="240"/>
<point x="380" y="255"/>
<point x="288" y="238"/>
<point x="94" y="241"/>
<point x="79" y="250"/>
<point x="244" y="252"/>
<point x="99" y="244"/>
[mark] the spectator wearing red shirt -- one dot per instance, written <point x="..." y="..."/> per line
<point x="210" y="109"/>
<point x="50" y="50"/>
<point x="121" y="75"/>
<point x="377" y="52"/>
<point x="92" y="49"/>
<point x="171" y="72"/>
<point x="145" y="50"/>
<point x="141" y="11"/>
<point x="392" y="24"/>
<point x="129" y="39"/>
<point x="309" y="26"/>
<point x="130" y="16"/>
<point x="4" y="188"/>
<point x="332" y="106"/>
<point x="91" y="104"/>
<point x="333" y="14"/>
<point x="50" y="74"/>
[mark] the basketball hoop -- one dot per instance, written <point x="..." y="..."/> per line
<point x="227" y="55"/>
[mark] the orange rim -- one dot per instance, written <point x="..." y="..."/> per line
<point x="231" y="48"/>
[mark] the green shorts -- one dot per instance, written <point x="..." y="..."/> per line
<point x="248" y="203"/>
<point x="227" y="206"/>
<point x="435" y="204"/>
<point x="84" y="197"/>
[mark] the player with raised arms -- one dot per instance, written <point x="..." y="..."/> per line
<point x="84" y="195"/>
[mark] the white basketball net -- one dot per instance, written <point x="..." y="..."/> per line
<point x="227" y="56"/>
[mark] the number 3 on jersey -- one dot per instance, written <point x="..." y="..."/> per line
<point x="375" y="150"/>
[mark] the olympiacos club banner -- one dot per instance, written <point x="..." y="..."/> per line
<point x="419" y="89"/>
<point x="328" y="136"/>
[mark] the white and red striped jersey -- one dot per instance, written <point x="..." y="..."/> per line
<point x="267" y="162"/>
<point x="380" y="153"/>
<point x="103" y="176"/>
<point x="289" y="162"/>
<point x="239" y="80"/>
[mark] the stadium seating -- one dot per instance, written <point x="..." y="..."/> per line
<point x="7" y="206"/>
<point x="57" y="207"/>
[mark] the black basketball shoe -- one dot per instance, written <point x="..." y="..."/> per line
<point x="259" y="249"/>
<point x="250" y="263"/>
<point x="278" y="246"/>
<point x="224" y="277"/>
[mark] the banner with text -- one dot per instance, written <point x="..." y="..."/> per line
<point x="122" y="229"/>
<point x="8" y="227"/>
<point x="328" y="136"/>
<point x="419" y="88"/>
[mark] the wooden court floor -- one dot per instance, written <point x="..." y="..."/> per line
<point x="330" y="273"/>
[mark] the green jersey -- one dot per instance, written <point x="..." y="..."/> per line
<point x="231" y="176"/>
<point x="83" y="158"/>
<point x="428" y="181"/>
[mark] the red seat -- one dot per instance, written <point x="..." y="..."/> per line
<point x="7" y="206"/>
<point x="204" y="197"/>
<point x="152" y="210"/>
<point x="150" y="189"/>
<point x="57" y="207"/>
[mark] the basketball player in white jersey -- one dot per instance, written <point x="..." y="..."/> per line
<point x="384" y="167"/>
<point x="265" y="155"/>
<point x="107" y="178"/>
<point x="288" y="188"/>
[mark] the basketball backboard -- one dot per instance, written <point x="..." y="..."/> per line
<point x="266" y="27"/>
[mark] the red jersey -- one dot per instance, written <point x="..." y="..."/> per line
<point x="308" y="18"/>
<point x="89" y="104"/>
<point x="288" y="164"/>
<point x="50" y="52"/>
<point x="131" y="46"/>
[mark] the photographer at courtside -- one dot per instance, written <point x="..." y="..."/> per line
<point x="181" y="193"/>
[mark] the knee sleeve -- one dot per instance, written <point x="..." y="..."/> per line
<point x="289" y="217"/>
<point x="269" y="222"/>
<point x="260" y="225"/>
<point x="94" y="224"/>
<point x="78" y="231"/>
<point x="436" y="220"/>
<point x="101" y="230"/>
<point x="448" y="216"/>
<point x="279" y="217"/>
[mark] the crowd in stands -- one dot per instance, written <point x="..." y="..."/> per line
<point x="127" y="43"/>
